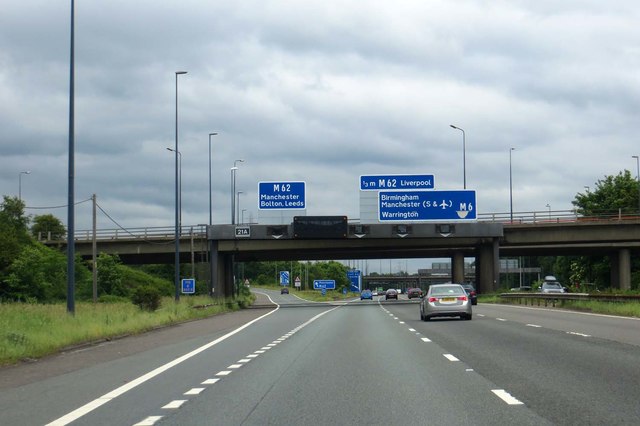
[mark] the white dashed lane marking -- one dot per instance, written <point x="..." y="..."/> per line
<point x="424" y="339"/>
<point x="506" y="397"/>
<point x="534" y="325"/>
<point x="209" y="381"/>
<point x="149" y="421"/>
<point x="194" y="391"/>
<point x="174" y="404"/>
<point x="450" y="357"/>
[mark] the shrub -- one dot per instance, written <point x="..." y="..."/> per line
<point x="147" y="298"/>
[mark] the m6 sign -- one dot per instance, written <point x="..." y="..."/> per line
<point x="426" y="205"/>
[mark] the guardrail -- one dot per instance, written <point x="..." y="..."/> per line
<point x="145" y="233"/>
<point x="519" y="218"/>
<point x="553" y="298"/>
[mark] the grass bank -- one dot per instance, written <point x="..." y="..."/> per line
<point x="29" y="331"/>
<point x="312" y="295"/>
<point x="625" y="309"/>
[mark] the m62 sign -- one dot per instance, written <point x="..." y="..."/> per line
<point x="281" y="195"/>
<point x="427" y="205"/>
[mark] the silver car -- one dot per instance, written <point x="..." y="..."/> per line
<point x="445" y="300"/>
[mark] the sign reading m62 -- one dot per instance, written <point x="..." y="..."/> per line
<point x="395" y="182"/>
<point x="281" y="195"/>
<point x="426" y="205"/>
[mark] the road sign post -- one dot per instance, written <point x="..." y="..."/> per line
<point x="188" y="285"/>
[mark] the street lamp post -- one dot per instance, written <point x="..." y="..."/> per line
<point x="243" y="210"/>
<point x="549" y="207"/>
<point x="638" y="177"/>
<point x="233" y="190"/>
<point x="511" y="185"/>
<point x="26" y="172"/>
<point x="210" y="217"/>
<point x="177" y="218"/>
<point x="238" y="206"/>
<point x="464" y="155"/>
<point x="179" y="189"/>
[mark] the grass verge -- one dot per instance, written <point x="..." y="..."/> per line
<point x="29" y="331"/>
<point x="625" y="309"/>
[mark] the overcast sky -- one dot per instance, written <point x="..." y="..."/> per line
<point x="315" y="91"/>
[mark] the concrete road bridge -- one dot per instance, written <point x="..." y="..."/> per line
<point x="486" y="240"/>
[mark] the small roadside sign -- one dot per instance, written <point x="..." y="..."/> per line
<point x="297" y="282"/>
<point x="324" y="284"/>
<point x="188" y="285"/>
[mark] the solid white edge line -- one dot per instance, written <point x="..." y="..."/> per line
<point x="534" y="325"/>
<point x="90" y="406"/>
<point x="566" y="312"/>
<point x="506" y="397"/>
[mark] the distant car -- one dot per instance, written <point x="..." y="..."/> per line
<point x="414" y="292"/>
<point x="284" y="290"/>
<point x="366" y="294"/>
<point x="391" y="294"/>
<point x="471" y="292"/>
<point x="374" y="292"/>
<point x="552" y="287"/>
<point x="445" y="300"/>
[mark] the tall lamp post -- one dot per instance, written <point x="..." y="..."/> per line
<point x="638" y="177"/>
<point x="210" y="217"/>
<point x="26" y="172"/>
<point x="243" y="210"/>
<point x="233" y="190"/>
<point x="177" y="219"/>
<point x="179" y="189"/>
<point x="464" y="155"/>
<point x="549" y="207"/>
<point x="238" y="206"/>
<point x="511" y="185"/>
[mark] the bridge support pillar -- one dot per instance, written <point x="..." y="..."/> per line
<point x="221" y="270"/>
<point x="457" y="267"/>
<point x="621" y="269"/>
<point x="487" y="267"/>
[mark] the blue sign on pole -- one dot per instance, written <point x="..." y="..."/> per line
<point x="395" y="182"/>
<point x="281" y="196"/>
<point x="426" y="205"/>
<point x="354" y="278"/>
<point x="188" y="285"/>
<point x="324" y="284"/>
<point x="284" y="277"/>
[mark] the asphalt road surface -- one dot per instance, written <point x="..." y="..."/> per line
<point x="361" y="362"/>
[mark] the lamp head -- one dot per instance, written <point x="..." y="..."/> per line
<point x="180" y="72"/>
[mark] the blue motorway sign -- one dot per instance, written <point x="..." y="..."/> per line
<point x="281" y="195"/>
<point x="395" y="182"/>
<point x="354" y="279"/>
<point x="426" y="205"/>
<point x="284" y="277"/>
<point x="324" y="284"/>
<point x="188" y="285"/>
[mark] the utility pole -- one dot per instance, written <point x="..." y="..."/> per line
<point x="94" y="252"/>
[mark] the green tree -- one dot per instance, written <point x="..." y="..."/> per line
<point x="38" y="273"/>
<point x="47" y="226"/>
<point x="13" y="231"/>
<point x="110" y="276"/>
<point x="610" y="195"/>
